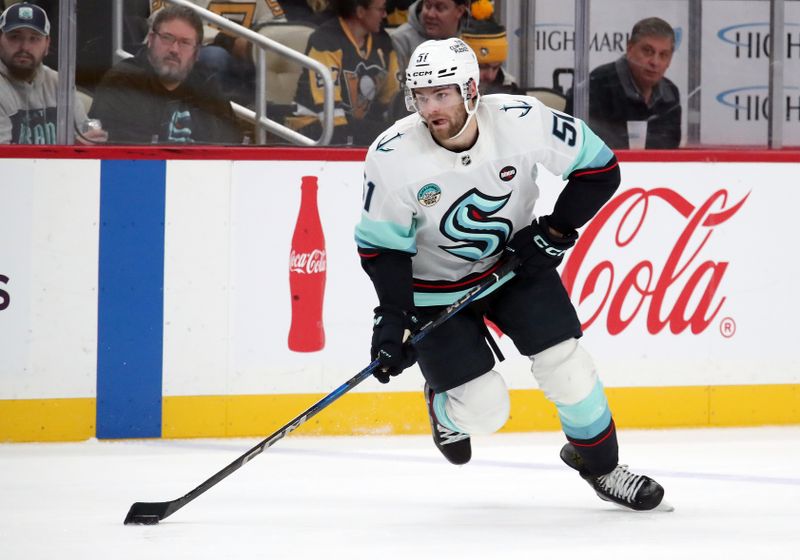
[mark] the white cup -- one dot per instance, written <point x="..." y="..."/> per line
<point x="91" y="124"/>
<point x="637" y="134"/>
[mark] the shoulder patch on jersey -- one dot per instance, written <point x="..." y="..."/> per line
<point x="429" y="195"/>
<point x="508" y="173"/>
<point x="381" y="147"/>
<point x="520" y="104"/>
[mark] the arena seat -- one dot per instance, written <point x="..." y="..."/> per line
<point x="282" y="73"/>
<point x="550" y="97"/>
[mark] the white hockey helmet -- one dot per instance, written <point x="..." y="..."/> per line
<point x="440" y="63"/>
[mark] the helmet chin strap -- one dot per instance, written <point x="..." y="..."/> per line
<point x="470" y="114"/>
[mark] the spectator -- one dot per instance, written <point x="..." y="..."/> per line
<point x="160" y="95"/>
<point x="633" y="88"/>
<point x="50" y="8"/>
<point x="227" y="55"/>
<point x="428" y="19"/>
<point x="489" y="41"/>
<point x="364" y="65"/>
<point x="28" y="101"/>
<point x="308" y="12"/>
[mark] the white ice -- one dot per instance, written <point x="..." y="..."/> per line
<point x="736" y="494"/>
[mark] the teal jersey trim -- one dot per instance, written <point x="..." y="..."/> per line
<point x="426" y="299"/>
<point x="371" y="234"/>
<point x="588" y="418"/>
<point x="594" y="152"/>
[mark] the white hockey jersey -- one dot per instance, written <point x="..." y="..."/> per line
<point x="455" y="212"/>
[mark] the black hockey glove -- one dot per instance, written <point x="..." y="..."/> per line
<point x="391" y="329"/>
<point x="537" y="249"/>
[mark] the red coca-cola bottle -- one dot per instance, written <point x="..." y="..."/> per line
<point x="307" y="266"/>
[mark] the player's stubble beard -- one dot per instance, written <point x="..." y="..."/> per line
<point x="455" y="124"/>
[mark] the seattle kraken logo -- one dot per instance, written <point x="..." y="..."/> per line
<point x="469" y="222"/>
<point x="523" y="106"/>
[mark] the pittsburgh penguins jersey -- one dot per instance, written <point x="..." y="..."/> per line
<point x="252" y="14"/>
<point x="364" y="81"/>
<point x="455" y="212"/>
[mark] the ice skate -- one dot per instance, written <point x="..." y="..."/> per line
<point x="455" y="446"/>
<point x="620" y="486"/>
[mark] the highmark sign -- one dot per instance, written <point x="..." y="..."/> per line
<point x="734" y="61"/>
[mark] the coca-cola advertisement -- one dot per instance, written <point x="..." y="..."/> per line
<point x="307" y="272"/>
<point x="676" y="281"/>
<point x="677" y="288"/>
<point x="656" y="281"/>
<point x="301" y="306"/>
<point x="670" y="281"/>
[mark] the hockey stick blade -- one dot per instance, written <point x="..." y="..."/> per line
<point x="150" y="513"/>
<point x="147" y="513"/>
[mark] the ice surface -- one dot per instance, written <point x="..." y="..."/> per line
<point x="736" y="494"/>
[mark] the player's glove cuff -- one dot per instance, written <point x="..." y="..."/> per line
<point x="537" y="249"/>
<point x="391" y="329"/>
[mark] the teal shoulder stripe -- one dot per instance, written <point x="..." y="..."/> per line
<point x="594" y="152"/>
<point x="371" y="234"/>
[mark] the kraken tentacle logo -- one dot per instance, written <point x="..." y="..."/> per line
<point x="468" y="223"/>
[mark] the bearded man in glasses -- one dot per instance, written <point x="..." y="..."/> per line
<point x="161" y="95"/>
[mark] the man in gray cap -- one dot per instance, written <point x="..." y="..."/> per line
<point x="28" y="102"/>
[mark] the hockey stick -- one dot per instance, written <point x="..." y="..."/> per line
<point x="150" y="513"/>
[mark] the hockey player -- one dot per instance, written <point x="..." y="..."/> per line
<point x="448" y="192"/>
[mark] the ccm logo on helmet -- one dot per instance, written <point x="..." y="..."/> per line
<point x="422" y="73"/>
<point x="508" y="173"/>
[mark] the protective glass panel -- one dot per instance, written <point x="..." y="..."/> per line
<point x="720" y="65"/>
<point x="622" y="112"/>
<point x="735" y="73"/>
<point x="720" y="68"/>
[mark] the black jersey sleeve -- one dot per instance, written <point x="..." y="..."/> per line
<point x="390" y="272"/>
<point x="586" y="191"/>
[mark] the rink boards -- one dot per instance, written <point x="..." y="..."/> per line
<point x="147" y="295"/>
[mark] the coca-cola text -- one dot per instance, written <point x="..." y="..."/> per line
<point x="643" y="286"/>
<point x="307" y="263"/>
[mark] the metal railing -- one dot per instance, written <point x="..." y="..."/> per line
<point x="65" y="94"/>
<point x="263" y="44"/>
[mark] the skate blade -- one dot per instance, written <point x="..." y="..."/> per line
<point x="664" y="506"/>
